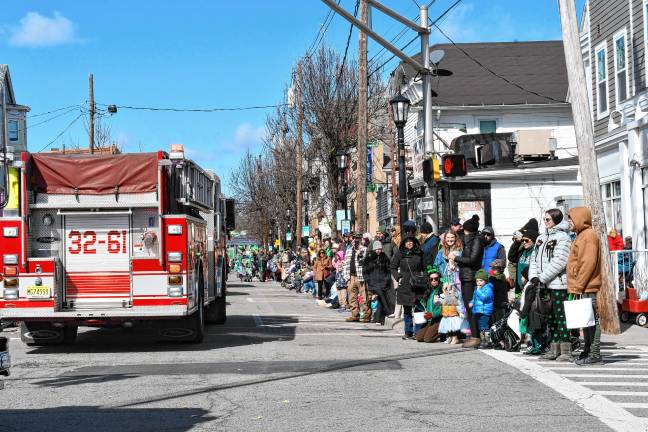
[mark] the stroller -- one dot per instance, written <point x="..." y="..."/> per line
<point x="505" y="333"/>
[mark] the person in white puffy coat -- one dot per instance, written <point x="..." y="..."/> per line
<point x="548" y="267"/>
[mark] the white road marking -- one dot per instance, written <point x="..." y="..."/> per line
<point x="597" y="368"/>
<point x="608" y="412"/>
<point x="622" y="393"/>
<point x="633" y="405"/>
<point x="611" y="383"/>
<point x="586" y="375"/>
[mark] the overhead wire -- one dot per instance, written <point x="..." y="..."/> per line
<point x="492" y="72"/>
<point x="320" y="35"/>
<point x="199" y="110"/>
<point x="61" y="133"/>
<point x="53" y="111"/>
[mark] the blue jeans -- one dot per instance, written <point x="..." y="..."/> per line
<point x="309" y="286"/>
<point x="482" y="322"/>
<point x="410" y="328"/>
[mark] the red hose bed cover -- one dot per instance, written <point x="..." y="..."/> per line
<point x="94" y="174"/>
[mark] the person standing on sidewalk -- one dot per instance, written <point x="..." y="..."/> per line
<point x="469" y="262"/>
<point x="377" y="275"/>
<point x="322" y="268"/>
<point x="355" y="281"/>
<point x="584" y="278"/>
<point x="406" y="264"/>
<point x="547" y="267"/>
<point x="492" y="249"/>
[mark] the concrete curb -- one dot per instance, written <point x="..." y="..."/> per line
<point x="393" y="322"/>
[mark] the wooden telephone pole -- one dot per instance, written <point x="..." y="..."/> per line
<point x="91" y="109"/>
<point x="298" y="160"/>
<point x="361" y="171"/>
<point x="607" y="304"/>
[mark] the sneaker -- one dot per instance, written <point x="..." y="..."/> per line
<point x="583" y="355"/>
<point x="589" y="360"/>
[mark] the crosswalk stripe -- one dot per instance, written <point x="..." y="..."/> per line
<point x="622" y="393"/>
<point x="612" y="383"/>
<point x="604" y="376"/>
<point x="633" y="405"/>
<point x="603" y="368"/>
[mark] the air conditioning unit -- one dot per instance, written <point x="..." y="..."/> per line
<point x="533" y="144"/>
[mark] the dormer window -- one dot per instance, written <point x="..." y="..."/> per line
<point x="12" y="130"/>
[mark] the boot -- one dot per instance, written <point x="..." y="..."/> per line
<point x="482" y="338"/>
<point x="565" y="352"/>
<point x="553" y="353"/>
<point x="472" y="342"/>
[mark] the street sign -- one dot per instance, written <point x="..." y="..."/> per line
<point x="305" y="231"/>
<point x="288" y="236"/>
<point x="346" y="226"/>
<point x="426" y="206"/>
<point x="371" y="187"/>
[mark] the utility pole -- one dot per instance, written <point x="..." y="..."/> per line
<point x="361" y="171"/>
<point x="394" y="165"/>
<point x="607" y="305"/>
<point x="91" y="109"/>
<point x="428" y="136"/>
<point x="298" y="159"/>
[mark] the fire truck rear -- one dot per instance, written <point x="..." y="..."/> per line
<point x="112" y="240"/>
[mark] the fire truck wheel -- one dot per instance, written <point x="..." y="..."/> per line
<point x="198" y="322"/>
<point x="40" y="333"/>
<point x="216" y="312"/>
<point x="70" y="335"/>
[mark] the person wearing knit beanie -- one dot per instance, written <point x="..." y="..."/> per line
<point x="481" y="274"/>
<point x="472" y="224"/>
<point x="531" y="230"/>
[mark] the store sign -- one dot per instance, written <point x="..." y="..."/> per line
<point x="305" y="231"/>
<point x="369" y="165"/>
<point x="346" y="226"/>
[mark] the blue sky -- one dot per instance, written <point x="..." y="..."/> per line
<point x="203" y="54"/>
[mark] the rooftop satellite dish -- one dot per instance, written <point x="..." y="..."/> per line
<point x="436" y="56"/>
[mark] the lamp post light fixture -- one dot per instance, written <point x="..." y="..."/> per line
<point x="342" y="159"/>
<point x="400" y="109"/>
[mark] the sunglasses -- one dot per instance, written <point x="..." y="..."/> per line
<point x="434" y="279"/>
<point x="548" y="219"/>
<point x="527" y="241"/>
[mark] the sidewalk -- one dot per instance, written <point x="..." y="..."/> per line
<point x="631" y="335"/>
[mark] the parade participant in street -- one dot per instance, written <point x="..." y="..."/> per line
<point x="377" y="276"/>
<point x="584" y="278"/>
<point x="322" y="267"/>
<point x="481" y="306"/>
<point x="355" y="281"/>
<point x="431" y="302"/>
<point x="492" y="249"/>
<point x="407" y="266"/>
<point x="469" y="262"/>
<point x="547" y="267"/>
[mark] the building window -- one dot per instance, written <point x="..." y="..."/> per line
<point x="487" y="126"/>
<point x="612" y="204"/>
<point x="12" y="128"/>
<point x="601" y="81"/>
<point x="621" y="66"/>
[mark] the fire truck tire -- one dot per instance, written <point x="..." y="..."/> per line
<point x="40" y="334"/>
<point x="70" y="335"/>
<point x="216" y="312"/>
<point x="197" y="322"/>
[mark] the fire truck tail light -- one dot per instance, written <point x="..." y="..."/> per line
<point x="10" y="271"/>
<point x="174" y="229"/>
<point x="175" y="280"/>
<point x="175" y="268"/>
<point x="174" y="291"/>
<point x="10" y="259"/>
<point x="12" y="282"/>
<point x="10" y="293"/>
<point x="10" y="231"/>
<point x="174" y="257"/>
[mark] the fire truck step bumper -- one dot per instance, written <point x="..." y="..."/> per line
<point x="131" y="313"/>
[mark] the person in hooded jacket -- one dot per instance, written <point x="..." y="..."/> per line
<point x="377" y="275"/>
<point x="584" y="278"/>
<point x="406" y="263"/>
<point x="385" y="239"/>
<point x="469" y="263"/>
<point x="492" y="249"/>
<point x="547" y="267"/>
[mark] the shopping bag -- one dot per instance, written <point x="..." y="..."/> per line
<point x="579" y="313"/>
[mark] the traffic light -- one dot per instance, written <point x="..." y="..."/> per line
<point x="454" y="165"/>
<point x="431" y="170"/>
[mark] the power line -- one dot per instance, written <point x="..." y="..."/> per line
<point x="492" y="72"/>
<point x="346" y="48"/>
<point x="76" y="108"/>
<point x="320" y="35"/>
<point x="61" y="133"/>
<point x="434" y="24"/>
<point x="202" y="110"/>
<point x="53" y="111"/>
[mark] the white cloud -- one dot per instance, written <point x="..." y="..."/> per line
<point x="36" y="30"/>
<point x="247" y="135"/>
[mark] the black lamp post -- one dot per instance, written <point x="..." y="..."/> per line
<point x="400" y="109"/>
<point x="341" y="158"/>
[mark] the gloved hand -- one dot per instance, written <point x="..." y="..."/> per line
<point x="427" y="315"/>
<point x="535" y="280"/>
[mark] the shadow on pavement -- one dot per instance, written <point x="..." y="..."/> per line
<point x="96" y="419"/>
<point x="100" y="374"/>
<point x="240" y="330"/>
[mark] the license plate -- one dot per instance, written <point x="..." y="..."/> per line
<point x="38" y="292"/>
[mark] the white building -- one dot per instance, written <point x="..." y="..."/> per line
<point x="519" y="142"/>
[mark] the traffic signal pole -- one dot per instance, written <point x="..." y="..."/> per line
<point x="402" y="182"/>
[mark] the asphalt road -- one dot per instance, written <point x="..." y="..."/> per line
<point x="281" y="363"/>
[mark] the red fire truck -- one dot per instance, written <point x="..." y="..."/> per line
<point x="112" y="240"/>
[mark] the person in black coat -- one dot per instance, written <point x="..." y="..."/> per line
<point x="407" y="263"/>
<point x="469" y="262"/>
<point x="377" y="275"/>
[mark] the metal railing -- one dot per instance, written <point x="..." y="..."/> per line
<point x="630" y="270"/>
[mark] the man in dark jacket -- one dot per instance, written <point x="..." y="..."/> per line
<point x="469" y="262"/>
<point x="406" y="265"/>
<point x="385" y="239"/>
<point x="429" y="243"/>
<point x="377" y="275"/>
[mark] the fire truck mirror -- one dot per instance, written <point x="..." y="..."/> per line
<point x="230" y="211"/>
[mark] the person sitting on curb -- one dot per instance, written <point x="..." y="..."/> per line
<point x="431" y="302"/>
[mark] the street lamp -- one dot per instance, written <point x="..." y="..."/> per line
<point x="341" y="158"/>
<point x="400" y="109"/>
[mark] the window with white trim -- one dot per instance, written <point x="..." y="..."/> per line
<point x="621" y="66"/>
<point x="602" y="108"/>
<point x="12" y="129"/>
<point x="487" y="126"/>
<point x="612" y="204"/>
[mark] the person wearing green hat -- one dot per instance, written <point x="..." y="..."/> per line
<point x="482" y="306"/>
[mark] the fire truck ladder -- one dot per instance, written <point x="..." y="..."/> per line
<point x="197" y="186"/>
